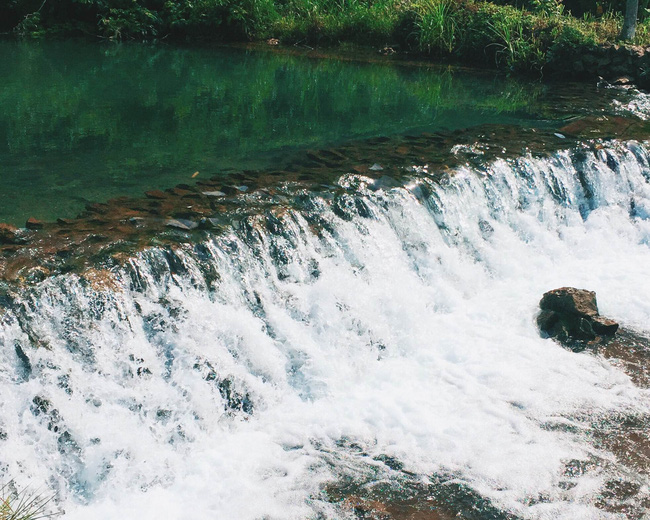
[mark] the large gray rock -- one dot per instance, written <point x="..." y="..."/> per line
<point x="572" y="314"/>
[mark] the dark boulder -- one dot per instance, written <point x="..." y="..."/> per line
<point x="604" y="326"/>
<point x="570" y="314"/>
<point x="569" y="300"/>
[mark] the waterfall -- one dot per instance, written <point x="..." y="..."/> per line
<point x="237" y="377"/>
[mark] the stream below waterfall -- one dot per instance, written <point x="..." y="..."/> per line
<point x="360" y="344"/>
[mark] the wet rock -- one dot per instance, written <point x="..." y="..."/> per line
<point x="385" y="182"/>
<point x="229" y="190"/>
<point x="126" y="225"/>
<point x="572" y="314"/>
<point x="185" y="225"/>
<point x="25" y="367"/>
<point x="209" y="223"/>
<point x="163" y="414"/>
<point x="155" y="194"/>
<point x="604" y="326"/>
<point x="137" y="221"/>
<point x="67" y="445"/>
<point x="622" y="80"/>
<point x="42" y="406"/>
<point x="486" y="228"/>
<point x="9" y="234"/>
<point x="36" y="274"/>
<point x="33" y="223"/>
<point x="569" y="300"/>
<point x="98" y="207"/>
<point x="185" y="192"/>
<point x="236" y="399"/>
<point x="636" y="51"/>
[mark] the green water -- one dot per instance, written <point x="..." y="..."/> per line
<point x="83" y="122"/>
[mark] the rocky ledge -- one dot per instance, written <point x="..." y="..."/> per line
<point x="108" y="233"/>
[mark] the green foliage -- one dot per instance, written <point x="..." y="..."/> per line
<point x="145" y="19"/>
<point x="437" y="26"/>
<point x="133" y="21"/>
<point x="513" y="34"/>
<point x="548" y="7"/>
<point x="511" y="39"/>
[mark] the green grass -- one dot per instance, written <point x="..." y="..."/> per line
<point x="23" y="505"/>
<point x="437" y="26"/>
<point x="475" y="31"/>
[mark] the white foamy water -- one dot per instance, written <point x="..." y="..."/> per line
<point x="634" y="102"/>
<point x="236" y="378"/>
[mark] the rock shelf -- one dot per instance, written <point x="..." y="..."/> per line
<point x="108" y="232"/>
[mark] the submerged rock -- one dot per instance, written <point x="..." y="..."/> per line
<point x="155" y="194"/>
<point x="572" y="314"/>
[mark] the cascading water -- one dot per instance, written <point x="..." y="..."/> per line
<point x="238" y="377"/>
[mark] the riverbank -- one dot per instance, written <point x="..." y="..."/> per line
<point x="472" y="32"/>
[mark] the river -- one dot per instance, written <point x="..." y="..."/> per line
<point x="366" y="343"/>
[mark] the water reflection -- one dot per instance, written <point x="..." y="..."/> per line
<point x="82" y="122"/>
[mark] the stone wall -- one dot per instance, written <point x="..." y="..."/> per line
<point x="618" y="64"/>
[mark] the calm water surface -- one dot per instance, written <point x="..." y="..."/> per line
<point x="84" y="122"/>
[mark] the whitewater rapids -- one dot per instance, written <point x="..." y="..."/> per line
<point x="235" y="378"/>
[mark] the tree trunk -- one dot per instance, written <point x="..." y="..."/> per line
<point x="629" y="24"/>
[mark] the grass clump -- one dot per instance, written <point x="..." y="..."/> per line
<point x="437" y="26"/>
<point x="23" y="505"/>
